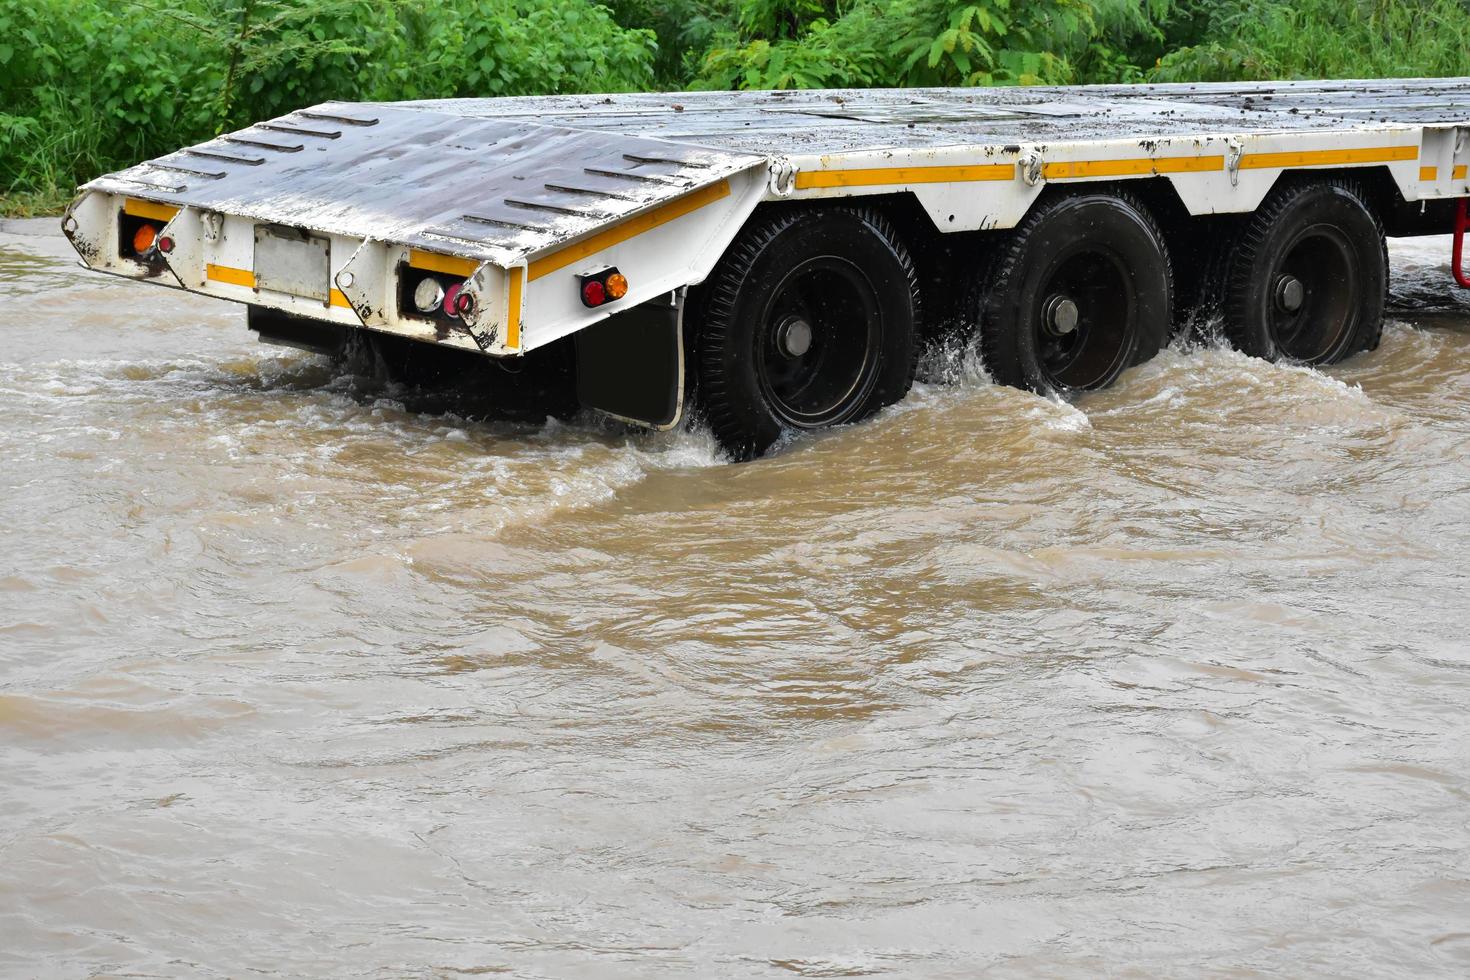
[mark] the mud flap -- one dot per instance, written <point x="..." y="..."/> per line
<point x="304" y="333"/>
<point x="631" y="365"/>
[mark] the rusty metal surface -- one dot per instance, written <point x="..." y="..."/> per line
<point x="503" y="178"/>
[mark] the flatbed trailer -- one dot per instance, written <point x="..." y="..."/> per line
<point x="777" y="257"/>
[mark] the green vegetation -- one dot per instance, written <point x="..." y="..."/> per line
<point x="1324" y="39"/>
<point x="88" y="86"/>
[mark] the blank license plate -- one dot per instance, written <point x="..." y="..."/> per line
<point x="288" y="260"/>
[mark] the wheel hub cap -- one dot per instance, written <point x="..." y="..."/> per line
<point x="1290" y="294"/>
<point x="794" y="337"/>
<point x="1061" y="315"/>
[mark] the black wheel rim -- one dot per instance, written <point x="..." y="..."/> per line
<point x="1313" y="295"/>
<point x="817" y="343"/>
<point x="1086" y="320"/>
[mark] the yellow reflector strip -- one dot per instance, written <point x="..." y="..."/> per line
<point x="631" y="228"/>
<point x="148" y="209"/>
<point x="1432" y="173"/>
<point x="513" y="309"/>
<point x="1133" y="168"/>
<point x="246" y="278"/>
<point x="876" y="176"/>
<point x="235" y="277"/>
<point x="1324" y="158"/>
<point x="450" y="265"/>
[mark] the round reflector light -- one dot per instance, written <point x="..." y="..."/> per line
<point x="451" y="299"/>
<point x="593" y="294"/>
<point x="165" y="244"/>
<point x="143" y="238"/>
<point x="427" y="295"/>
<point x="617" y="286"/>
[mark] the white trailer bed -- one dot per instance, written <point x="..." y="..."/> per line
<point x="521" y="197"/>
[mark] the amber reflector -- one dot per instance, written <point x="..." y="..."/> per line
<point x="143" y="238"/>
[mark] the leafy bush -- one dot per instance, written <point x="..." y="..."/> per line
<point x="987" y="42"/>
<point x="1277" y="39"/>
<point x="903" y="42"/>
<point x="88" y="86"/>
<point x="82" y="90"/>
<point x="526" y="47"/>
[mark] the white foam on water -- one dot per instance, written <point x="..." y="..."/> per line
<point x="1060" y="415"/>
<point x="296" y="420"/>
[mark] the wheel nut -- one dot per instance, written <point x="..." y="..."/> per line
<point x="1290" y="294"/>
<point x="1061" y="315"/>
<point x="794" y="337"/>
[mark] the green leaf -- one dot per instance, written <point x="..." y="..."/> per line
<point x="936" y="51"/>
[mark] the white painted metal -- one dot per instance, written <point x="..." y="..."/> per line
<point x="528" y="193"/>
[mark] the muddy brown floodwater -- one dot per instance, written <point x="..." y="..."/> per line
<point x="302" y="675"/>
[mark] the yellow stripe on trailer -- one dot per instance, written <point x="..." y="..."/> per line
<point x="149" y="209"/>
<point x="513" y="309"/>
<point x="1328" y="158"/>
<point x="449" y="265"/>
<point x="1128" y="167"/>
<point x="246" y="278"/>
<point x="1137" y="167"/>
<point x="234" y="277"/>
<point x="883" y="176"/>
<point x="1432" y="173"/>
<point x="631" y="228"/>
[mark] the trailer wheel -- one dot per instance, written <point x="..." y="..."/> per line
<point x="1308" y="278"/>
<point x="1082" y="289"/>
<point x="808" y="322"/>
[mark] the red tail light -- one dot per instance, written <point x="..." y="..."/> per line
<point x="451" y="299"/>
<point x="603" y="286"/>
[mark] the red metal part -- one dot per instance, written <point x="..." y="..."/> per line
<point x="1462" y="225"/>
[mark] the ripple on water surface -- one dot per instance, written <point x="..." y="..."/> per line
<point x="306" y="674"/>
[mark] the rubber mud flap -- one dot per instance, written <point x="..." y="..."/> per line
<point x="631" y="365"/>
<point x="304" y="333"/>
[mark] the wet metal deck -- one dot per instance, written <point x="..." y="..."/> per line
<point x="866" y="119"/>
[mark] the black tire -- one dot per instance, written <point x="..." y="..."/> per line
<point x="1081" y="290"/>
<point x="807" y="322"/>
<point x="1307" y="279"/>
